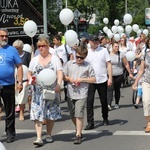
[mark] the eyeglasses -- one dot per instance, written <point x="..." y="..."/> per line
<point x="2" y="36"/>
<point x="79" y="57"/>
<point x="41" y="46"/>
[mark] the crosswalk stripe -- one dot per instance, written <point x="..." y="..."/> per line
<point x="83" y="131"/>
<point x="131" y="133"/>
<point x="95" y="132"/>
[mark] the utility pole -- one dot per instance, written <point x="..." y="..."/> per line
<point x="126" y="6"/>
<point x="45" y="16"/>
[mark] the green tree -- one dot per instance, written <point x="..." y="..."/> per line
<point x="112" y="9"/>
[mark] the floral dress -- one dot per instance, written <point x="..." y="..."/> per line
<point x="40" y="108"/>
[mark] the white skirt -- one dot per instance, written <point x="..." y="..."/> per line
<point x="22" y="97"/>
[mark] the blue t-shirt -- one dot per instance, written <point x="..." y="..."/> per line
<point x="9" y="58"/>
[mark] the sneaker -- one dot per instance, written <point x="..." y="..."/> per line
<point x="38" y="142"/>
<point x="105" y="122"/>
<point x="136" y="106"/>
<point x="116" y="106"/>
<point x="109" y="108"/>
<point x="77" y="140"/>
<point x="49" y="139"/>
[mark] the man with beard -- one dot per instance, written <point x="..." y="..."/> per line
<point x="9" y="59"/>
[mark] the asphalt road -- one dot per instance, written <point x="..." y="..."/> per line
<point x="125" y="132"/>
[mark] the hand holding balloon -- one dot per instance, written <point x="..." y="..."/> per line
<point x="32" y="80"/>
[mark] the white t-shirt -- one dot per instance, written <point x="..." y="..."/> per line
<point x="98" y="59"/>
<point x="60" y="51"/>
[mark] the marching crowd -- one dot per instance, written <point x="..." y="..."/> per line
<point x="94" y="63"/>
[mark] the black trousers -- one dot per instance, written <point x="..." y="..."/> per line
<point x="102" y="92"/>
<point x="8" y="97"/>
<point x="115" y="87"/>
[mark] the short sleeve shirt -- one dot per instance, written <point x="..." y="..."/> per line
<point x="116" y="61"/>
<point x="61" y="52"/>
<point x="9" y="58"/>
<point x="146" y="57"/>
<point x="98" y="59"/>
<point x="85" y="70"/>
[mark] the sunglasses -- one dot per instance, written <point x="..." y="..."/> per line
<point x="79" y="57"/>
<point x="39" y="46"/>
<point x="4" y="36"/>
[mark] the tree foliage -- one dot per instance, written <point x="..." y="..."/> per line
<point x="112" y="9"/>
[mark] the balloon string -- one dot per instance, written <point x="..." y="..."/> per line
<point x="32" y="40"/>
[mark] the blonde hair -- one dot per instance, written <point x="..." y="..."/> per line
<point x="18" y="43"/>
<point x="43" y="40"/>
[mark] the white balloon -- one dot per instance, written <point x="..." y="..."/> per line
<point x="130" y="55"/>
<point x="25" y="72"/>
<point x="127" y="18"/>
<point x="135" y="27"/>
<point x="114" y="29"/>
<point x="66" y="16"/>
<point x="128" y="29"/>
<point x="145" y="31"/>
<point x="27" y="48"/>
<point x="2" y="146"/>
<point x="46" y="77"/>
<point x="139" y="32"/>
<point x="105" y="29"/>
<point x="116" y="22"/>
<point x="110" y="35"/>
<point x="71" y="37"/>
<point x="30" y="28"/>
<point x="105" y="20"/>
<point x="120" y="29"/>
<point x="117" y="37"/>
<point x="109" y="31"/>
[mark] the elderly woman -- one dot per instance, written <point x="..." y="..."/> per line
<point x="22" y="97"/>
<point x="44" y="108"/>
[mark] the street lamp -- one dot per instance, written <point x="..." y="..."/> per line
<point x="76" y="19"/>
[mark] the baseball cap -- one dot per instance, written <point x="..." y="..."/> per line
<point x="93" y="37"/>
<point x="43" y="36"/>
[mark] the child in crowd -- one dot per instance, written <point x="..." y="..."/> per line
<point x="78" y="74"/>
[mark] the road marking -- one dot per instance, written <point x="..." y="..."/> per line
<point x="83" y="131"/>
<point x="62" y="132"/>
<point x="131" y="133"/>
<point x="95" y="132"/>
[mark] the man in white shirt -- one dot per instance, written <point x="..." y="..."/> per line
<point x="99" y="58"/>
<point x="63" y="51"/>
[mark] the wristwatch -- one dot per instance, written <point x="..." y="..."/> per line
<point x="20" y="83"/>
